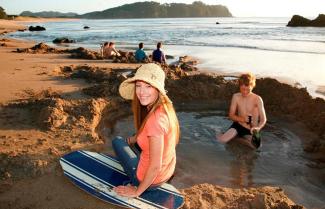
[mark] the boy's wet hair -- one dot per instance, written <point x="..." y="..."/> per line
<point x="111" y="43"/>
<point x="247" y="79"/>
<point x="159" y="45"/>
<point x="141" y="45"/>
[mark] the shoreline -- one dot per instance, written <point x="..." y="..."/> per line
<point x="20" y="23"/>
<point x="21" y="144"/>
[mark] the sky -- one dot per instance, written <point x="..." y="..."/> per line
<point x="239" y="8"/>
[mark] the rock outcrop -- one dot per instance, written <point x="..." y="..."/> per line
<point x="299" y="21"/>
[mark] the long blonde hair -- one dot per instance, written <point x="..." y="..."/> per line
<point x="142" y="113"/>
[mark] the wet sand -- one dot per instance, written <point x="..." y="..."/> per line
<point x="46" y="114"/>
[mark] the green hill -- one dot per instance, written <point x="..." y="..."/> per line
<point x="47" y="14"/>
<point x="156" y="10"/>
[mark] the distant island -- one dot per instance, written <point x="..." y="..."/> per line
<point x="148" y="9"/>
<point x="48" y="14"/>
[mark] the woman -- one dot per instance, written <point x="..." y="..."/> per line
<point x="157" y="132"/>
<point x="109" y="50"/>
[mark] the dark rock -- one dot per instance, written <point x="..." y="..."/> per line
<point x="36" y="28"/>
<point x="217" y="23"/>
<point x="86" y="27"/>
<point x="63" y="40"/>
<point x="169" y="56"/>
<point x="319" y="21"/>
<point x="299" y="21"/>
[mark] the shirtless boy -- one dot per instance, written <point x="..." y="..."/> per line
<point x="246" y="110"/>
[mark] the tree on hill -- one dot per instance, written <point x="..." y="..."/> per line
<point x="3" y="14"/>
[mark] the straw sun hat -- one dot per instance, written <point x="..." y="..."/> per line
<point x="149" y="73"/>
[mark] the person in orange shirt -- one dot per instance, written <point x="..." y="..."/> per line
<point x="157" y="132"/>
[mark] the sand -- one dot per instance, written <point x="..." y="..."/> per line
<point x="7" y="26"/>
<point x="44" y="115"/>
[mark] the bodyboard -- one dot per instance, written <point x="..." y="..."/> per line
<point x="98" y="174"/>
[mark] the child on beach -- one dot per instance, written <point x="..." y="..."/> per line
<point x="157" y="132"/>
<point x="109" y="51"/>
<point x="140" y="54"/>
<point x="158" y="55"/>
<point x="247" y="112"/>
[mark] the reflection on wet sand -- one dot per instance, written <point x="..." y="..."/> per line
<point x="242" y="166"/>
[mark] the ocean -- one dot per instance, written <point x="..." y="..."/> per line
<point x="263" y="46"/>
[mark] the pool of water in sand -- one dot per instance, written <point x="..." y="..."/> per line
<point x="201" y="159"/>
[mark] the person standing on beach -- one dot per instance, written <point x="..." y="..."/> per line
<point x="140" y="54"/>
<point x="157" y="132"/>
<point x="246" y="111"/>
<point x="158" y="55"/>
<point x="109" y="50"/>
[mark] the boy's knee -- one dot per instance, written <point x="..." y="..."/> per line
<point x="221" y="139"/>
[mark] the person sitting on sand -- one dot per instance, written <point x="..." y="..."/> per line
<point x="246" y="110"/>
<point x="157" y="132"/>
<point x="140" y="54"/>
<point x="109" y="50"/>
<point x="158" y="55"/>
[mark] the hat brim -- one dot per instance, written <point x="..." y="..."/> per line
<point x="127" y="87"/>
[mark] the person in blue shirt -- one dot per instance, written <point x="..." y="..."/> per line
<point x="140" y="55"/>
<point x="158" y="55"/>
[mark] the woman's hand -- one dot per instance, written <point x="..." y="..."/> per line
<point x="126" y="191"/>
<point x="131" y="140"/>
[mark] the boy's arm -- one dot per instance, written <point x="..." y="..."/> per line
<point x="261" y="113"/>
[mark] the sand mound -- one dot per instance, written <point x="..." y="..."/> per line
<point x="106" y="80"/>
<point x="283" y="99"/>
<point x="212" y="196"/>
<point x="40" y="48"/>
<point x="78" y="53"/>
<point x="82" y="53"/>
<point x="58" y="126"/>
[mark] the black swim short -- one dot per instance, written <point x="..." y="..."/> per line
<point x="241" y="131"/>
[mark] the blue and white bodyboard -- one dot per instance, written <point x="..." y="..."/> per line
<point x="98" y="174"/>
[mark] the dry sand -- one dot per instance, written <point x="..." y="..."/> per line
<point x="7" y="26"/>
<point x="19" y="23"/>
<point x="35" y="132"/>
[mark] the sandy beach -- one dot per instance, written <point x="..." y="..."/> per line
<point x="49" y="108"/>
